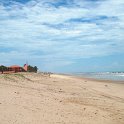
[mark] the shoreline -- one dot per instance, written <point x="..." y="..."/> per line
<point x="92" y="79"/>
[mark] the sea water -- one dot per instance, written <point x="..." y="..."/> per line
<point x="117" y="76"/>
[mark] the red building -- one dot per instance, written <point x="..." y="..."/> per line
<point x="15" y="68"/>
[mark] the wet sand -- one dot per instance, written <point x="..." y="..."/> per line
<point x="28" y="98"/>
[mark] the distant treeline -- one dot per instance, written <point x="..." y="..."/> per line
<point x="3" y="68"/>
<point x="30" y="68"/>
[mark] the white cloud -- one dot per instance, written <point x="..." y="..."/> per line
<point x="45" y="32"/>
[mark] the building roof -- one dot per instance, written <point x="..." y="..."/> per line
<point x="15" y="66"/>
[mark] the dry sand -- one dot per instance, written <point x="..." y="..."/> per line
<point x="28" y="98"/>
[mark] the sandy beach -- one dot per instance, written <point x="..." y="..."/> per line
<point x="29" y="98"/>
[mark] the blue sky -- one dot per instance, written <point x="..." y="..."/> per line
<point x="63" y="35"/>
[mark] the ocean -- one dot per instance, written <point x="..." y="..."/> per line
<point x="116" y="76"/>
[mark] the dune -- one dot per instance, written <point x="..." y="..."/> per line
<point x="30" y="98"/>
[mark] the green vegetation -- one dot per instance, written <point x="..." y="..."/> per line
<point x="32" y="69"/>
<point x="8" y="77"/>
<point x="3" y="68"/>
<point x="20" y="75"/>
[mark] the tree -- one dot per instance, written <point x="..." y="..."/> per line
<point x="35" y="68"/>
<point x="3" y="68"/>
<point x="32" y="69"/>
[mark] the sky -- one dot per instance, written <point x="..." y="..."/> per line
<point x="63" y="35"/>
